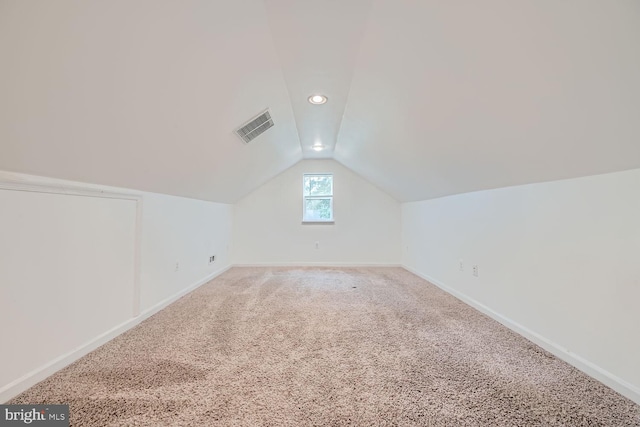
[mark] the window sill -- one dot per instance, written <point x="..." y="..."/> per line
<point x="318" y="222"/>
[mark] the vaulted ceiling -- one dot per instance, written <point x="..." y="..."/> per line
<point x="426" y="98"/>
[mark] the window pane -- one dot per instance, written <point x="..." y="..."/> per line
<point x="318" y="185"/>
<point x="317" y="210"/>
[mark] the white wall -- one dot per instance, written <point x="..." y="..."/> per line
<point x="66" y="274"/>
<point x="181" y="231"/>
<point x="558" y="261"/>
<point x="68" y="264"/>
<point x="268" y="225"/>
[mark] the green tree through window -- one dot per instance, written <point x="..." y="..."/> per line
<point x="318" y="197"/>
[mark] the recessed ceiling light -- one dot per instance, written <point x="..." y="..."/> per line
<point x="317" y="147"/>
<point x="317" y="99"/>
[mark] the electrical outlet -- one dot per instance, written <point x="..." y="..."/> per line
<point x="212" y="259"/>
<point x="317" y="245"/>
<point x="475" y="270"/>
<point x="461" y="265"/>
<point x="177" y="266"/>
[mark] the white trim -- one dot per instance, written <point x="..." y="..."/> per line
<point x="35" y="376"/>
<point x="137" y="259"/>
<point x="316" y="264"/>
<point x="328" y="222"/>
<point x="167" y="301"/>
<point x="36" y="184"/>
<point x="616" y="383"/>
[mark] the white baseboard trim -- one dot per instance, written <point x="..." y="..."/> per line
<point x="317" y="264"/>
<point x="618" y="384"/>
<point x="30" y="379"/>
<point x="173" y="298"/>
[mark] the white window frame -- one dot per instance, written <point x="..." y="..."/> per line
<point x="305" y="198"/>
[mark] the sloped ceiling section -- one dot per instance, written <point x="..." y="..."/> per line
<point x="456" y="96"/>
<point x="143" y="94"/>
<point x="426" y="98"/>
<point x="318" y="42"/>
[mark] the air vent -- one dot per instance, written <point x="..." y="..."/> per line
<point x="254" y="127"/>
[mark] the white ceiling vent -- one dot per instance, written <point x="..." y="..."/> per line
<point x="254" y="127"/>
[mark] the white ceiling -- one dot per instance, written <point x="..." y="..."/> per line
<point x="455" y="96"/>
<point x="318" y="42"/>
<point x="426" y="98"/>
<point x="143" y="94"/>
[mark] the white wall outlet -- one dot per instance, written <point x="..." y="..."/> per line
<point x="461" y="265"/>
<point x="177" y="266"/>
<point x="212" y="259"/>
<point x="317" y="245"/>
<point x="475" y="270"/>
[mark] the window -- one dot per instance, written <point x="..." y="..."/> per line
<point x="317" y="194"/>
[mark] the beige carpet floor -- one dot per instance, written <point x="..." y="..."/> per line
<point x="326" y="347"/>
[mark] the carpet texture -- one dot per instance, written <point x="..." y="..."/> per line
<point x="326" y="347"/>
